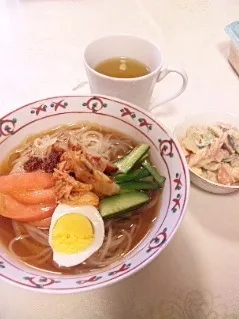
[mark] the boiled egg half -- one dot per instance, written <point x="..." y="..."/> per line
<point x="76" y="232"/>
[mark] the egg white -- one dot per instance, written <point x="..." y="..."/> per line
<point x="90" y="212"/>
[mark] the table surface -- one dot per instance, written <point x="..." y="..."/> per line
<point x="197" y="275"/>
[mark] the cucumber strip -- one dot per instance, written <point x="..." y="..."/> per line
<point x="132" y="176"/>
<point x="124" y="190"/>
<point x="148" y="179"/>
<point x="139" y="186"/>
<point x="144" y="157"/>
<point x="122" y="203"/>
<point x="127" y="162"/>
<point x="152" y="170"/>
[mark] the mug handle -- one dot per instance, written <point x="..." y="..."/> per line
<point x="162" y="75"/>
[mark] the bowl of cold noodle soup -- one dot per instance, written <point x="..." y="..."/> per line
<point x="91" y="190"/>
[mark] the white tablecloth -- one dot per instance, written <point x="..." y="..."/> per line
<point x="41" y="43"/>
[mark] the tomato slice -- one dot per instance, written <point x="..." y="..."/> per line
<point x="11" y="208"/>
<point x="36" y="197"/>
<point x="25" y="181"/>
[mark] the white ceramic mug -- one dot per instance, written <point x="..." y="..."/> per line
<point x="135" y="90"/>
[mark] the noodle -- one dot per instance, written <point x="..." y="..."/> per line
<point x="45" y="259"/>
<point x="132" y="230"/>
<point x="37" y="234"/>
<point x="118" y="242"/>
<point x="26" y="258"/>
<point x="16" y="228"/>
<point x="128" y="241"/>
<point x="121" y="234"/>
<point x="112" y="248"/>
<point x="107" y="244"/>
<point x="107" y="145"/>
<point x="42" y="254"/>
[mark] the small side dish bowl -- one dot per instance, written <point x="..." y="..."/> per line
<point x="206" y="119"/>
<point x="131" y="120"/>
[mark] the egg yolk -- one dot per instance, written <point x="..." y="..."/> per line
<point x="72" y="233"/>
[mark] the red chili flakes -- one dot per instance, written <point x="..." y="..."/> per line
<point x="51" y="161"/>
<point x="33" y="164"/>
<point x="47" y="165"/>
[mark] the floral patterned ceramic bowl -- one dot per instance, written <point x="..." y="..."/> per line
<point x="131" y="120"/>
